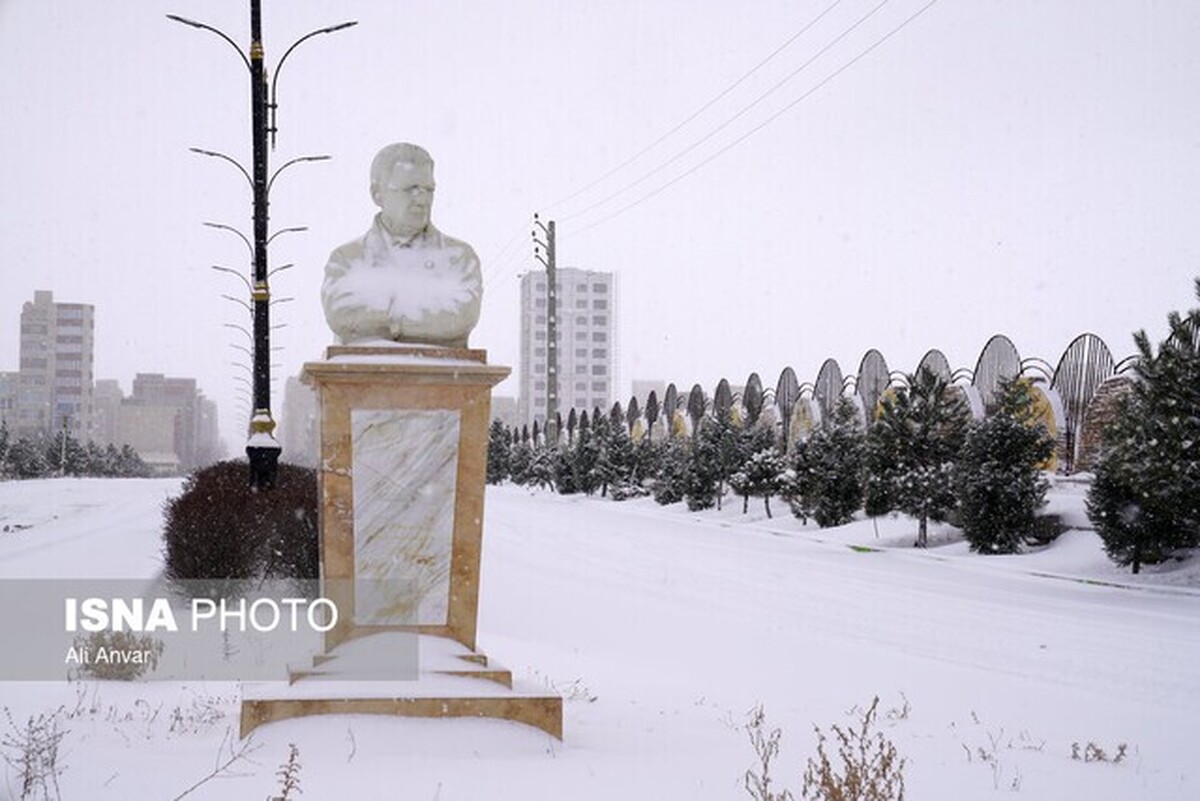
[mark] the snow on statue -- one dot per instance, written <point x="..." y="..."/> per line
<point x="403" y="280"/>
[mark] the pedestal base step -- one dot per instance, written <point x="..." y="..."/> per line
<point x="452" y="681"/>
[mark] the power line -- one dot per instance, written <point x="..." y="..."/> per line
<point x="779" y="84"/>
<point x="764" y="123"/>
<point x="699" y="111"/>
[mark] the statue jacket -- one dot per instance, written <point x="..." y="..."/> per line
<point x="426" y="289"/>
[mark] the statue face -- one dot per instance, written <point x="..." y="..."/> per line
<point x="406" y="198"/>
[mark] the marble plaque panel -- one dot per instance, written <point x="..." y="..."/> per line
<point x="405" y="464"/>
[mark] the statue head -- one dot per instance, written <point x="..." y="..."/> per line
<point x="402" y="187"/>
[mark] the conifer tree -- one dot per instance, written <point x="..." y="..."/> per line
<point x="913" y="447"/>
<point x="753" y="440"/>
<point x="827" y="482"/>
<point x="5" y="442"/>
<point x="1145" y="499"/>
<point x="670" y="483"/>
<point x="1000" y="482"/>
<point x="26" y="459"/>
<point x="761" y="476"/>
<point x="497" y="452"/>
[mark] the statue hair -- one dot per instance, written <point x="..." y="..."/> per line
<point x="390" y="156"/>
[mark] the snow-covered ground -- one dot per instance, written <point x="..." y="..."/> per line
<point x="663" y="629"/>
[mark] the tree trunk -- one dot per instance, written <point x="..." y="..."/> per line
<point x="767" y="503"/>
<point x="922" y="532"/>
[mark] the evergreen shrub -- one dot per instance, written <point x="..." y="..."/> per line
<point x="221" y="528"/>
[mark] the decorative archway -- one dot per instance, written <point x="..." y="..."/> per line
<point x="1084" y="367"/>
<point x="997" y="361"/>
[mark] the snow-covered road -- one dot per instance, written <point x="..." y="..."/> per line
<point x="663" y="629"/>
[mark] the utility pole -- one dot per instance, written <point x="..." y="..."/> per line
<point x="262" y="449"/>
<point x="551" y="427"/>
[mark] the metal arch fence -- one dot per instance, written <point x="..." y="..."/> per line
<point x="873" y="380"/>
<point x="1085" y="365"/>
<point x="1083" y="368"/>
<point x="936" y="362"/>
<point x="998" y="361"/>
<point x="828" y="388"/>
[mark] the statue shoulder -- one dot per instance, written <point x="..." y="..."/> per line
<point x="346" y="255"/>
<point x="464" y="254"/>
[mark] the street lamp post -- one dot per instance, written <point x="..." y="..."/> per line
<point x="262" y="449"/>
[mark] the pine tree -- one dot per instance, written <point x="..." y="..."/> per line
<point x="913" y="447"/>
<point x="615" y="459"/>
<point x="751" y="441"/>
<point x="65" y="455"/>
<point x="1145" y="499"/>
<point x="1000" y="483"/>
<point x="519" y="460"/>
<point x="826" y="481"/>
<point x="716" y="454"/>
<point x="670" y="482"/>
<point x="131" y="464"/>
<point x="497" y="452"/>
<point x="5" y="443"/>
<point x="541" y="471"/>
<point x="27" y="459"/>
<point x="761" y="477"/>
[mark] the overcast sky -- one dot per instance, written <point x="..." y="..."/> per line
<point x="1024" y="167"/>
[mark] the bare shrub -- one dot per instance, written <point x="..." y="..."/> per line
<point x="32" y="751"/>
<point x="866" y="766"/>
<point x="766" y="747"/>
<point x="1094" y="753"/>
<point x="289" y="776"/>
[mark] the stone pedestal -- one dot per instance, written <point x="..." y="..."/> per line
<point x="402" y="472"/>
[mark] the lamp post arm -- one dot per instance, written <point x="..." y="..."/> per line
<point x="279" y="67"/>
<point x="287" y="164"/>
<point x="192" y="23"/>
<point x="230" y="159"/>
<point x="240" y="235"/>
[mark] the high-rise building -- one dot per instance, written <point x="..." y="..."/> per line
<point x="298" y="430"/>
<point x="586" y="343"/>
<point x="56" y="361"/>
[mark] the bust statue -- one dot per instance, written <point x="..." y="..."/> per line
<point x="403" y="280"/>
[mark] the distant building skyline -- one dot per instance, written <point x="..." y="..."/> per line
<point x="167" y="420"/>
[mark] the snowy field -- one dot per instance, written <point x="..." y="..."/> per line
<point x="663" y="629"/>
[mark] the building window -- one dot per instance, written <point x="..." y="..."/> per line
<point x="540" y="303"/>
<point x="581" y="352"/>
<point x="599" y="303"/>
<point x="599" y="386"/>
<point x="539" y="320"/>
<point x="599" y="287"/>
<point x="539" y="351"/>
<point x="581" y="368"/>
<point x="539" y="334"/>
<point x="600" y="353"/>
<point x="581" y="287"/>
<point x="580" y="386"/>
<point x="600" y="319"/>
<point x="539" y="384"/>
<point x="599" y="336"/>
<point x="599" y="369"/>
<point x="580" y="335"/>
<point x="581" y="320"/>
<point x="581" y="303"/>
<point x="540" y="286"/>
<point x="539" y="368"/>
